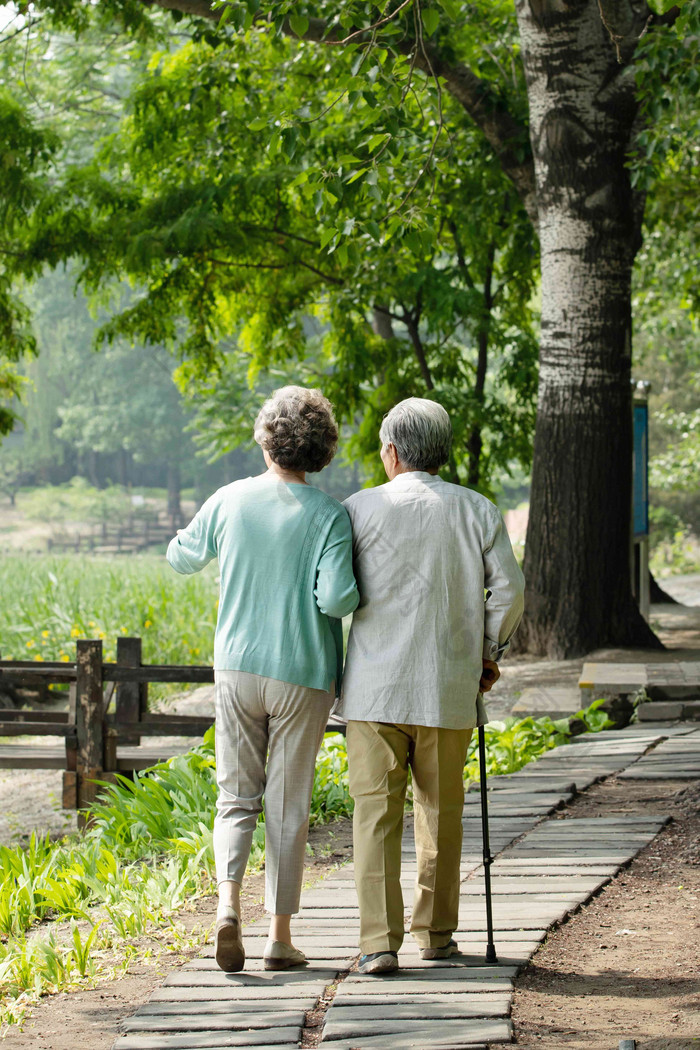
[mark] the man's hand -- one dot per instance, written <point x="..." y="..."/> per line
<point x="489" y="675"/>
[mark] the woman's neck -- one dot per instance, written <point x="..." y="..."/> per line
<point x="295" y="476"/>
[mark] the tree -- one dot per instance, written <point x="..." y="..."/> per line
<point x="579" y="59"/>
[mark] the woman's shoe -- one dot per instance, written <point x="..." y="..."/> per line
<point x="228" y="944"/>
<point x="280" y="956"/>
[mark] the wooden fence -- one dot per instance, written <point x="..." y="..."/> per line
<point x="100" y="738"/>
<point x="98" y="742"/>
<point x="133" y="534"/>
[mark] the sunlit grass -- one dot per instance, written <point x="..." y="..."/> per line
<point x="50" y="600"/>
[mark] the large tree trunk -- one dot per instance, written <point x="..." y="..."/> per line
<point x="577" y="555"/>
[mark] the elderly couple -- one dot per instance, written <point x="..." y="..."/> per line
<point x="413" y="560"/>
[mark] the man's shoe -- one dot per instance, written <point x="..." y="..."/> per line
<point x="228" y="944"/>
<point x="451" y="948"/>
<point x="280" y="956"/>
<point x="379" y="962"/>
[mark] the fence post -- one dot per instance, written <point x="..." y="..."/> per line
<point x="70" y="773"/>
<point x="131" y="696"/>
<point x="89" y="718"/>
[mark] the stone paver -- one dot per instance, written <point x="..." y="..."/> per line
<point x="677" y="759"/>
<point x="546" y="866"/>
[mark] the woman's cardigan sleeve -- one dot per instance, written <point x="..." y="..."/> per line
<point x="336" y="591"/>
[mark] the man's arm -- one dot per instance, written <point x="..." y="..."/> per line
<point x="195" y="546"/>
<point x="504" y="605"/>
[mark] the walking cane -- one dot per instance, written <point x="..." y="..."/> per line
<point x="491" y="956"/>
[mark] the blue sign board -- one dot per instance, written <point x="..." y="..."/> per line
<point x="640" y="483"/>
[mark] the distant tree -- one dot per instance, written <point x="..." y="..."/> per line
<point x="96" y="413"/>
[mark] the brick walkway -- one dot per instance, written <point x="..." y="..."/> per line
<point x="546" y="865"/>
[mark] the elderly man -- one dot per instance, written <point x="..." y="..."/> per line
<point x="424" y="645"/>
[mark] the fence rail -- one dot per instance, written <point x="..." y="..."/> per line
<point x="98" y="742"/>
<point x="135" y="533"/>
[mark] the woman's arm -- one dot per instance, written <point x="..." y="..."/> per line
<point x="336" y="591"/>
<point x="195" y="546"/>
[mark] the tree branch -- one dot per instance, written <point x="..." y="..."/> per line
<point x="628" y="20"/>
<point x="410" y="319"/>
<point x="461" y="260"/>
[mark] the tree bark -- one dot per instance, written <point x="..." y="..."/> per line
<point x="577" y="553"/>
<point x="174" y="508"/>
<point x="658" y="596"/>
<point x="475" y="441"/>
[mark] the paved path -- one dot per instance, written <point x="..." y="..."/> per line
<point x="546" y="865"/>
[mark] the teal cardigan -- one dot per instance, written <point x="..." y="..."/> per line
<point x="285" y="560"/>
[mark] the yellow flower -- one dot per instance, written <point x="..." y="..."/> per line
<point x="147" y="624"/>
<point x="30" y="643"/>
<point x="45" y="634"/>
<point x="64" y="658"/>
<point x="91" y="623"/>
<point x="75" y="632"/>
<point x="38" y="657"/>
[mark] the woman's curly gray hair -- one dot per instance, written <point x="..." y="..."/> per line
<point x="297" y="428"/>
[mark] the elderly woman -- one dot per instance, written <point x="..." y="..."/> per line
<point x="285" y="559"/>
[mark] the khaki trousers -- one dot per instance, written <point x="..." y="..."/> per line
<point x="379" y="757"/>
<point x="267" y="736"/>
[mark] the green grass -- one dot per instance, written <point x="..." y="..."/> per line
<point x="50" y="600"/>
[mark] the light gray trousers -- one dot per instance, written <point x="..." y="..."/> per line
<point x="259" y="718"/>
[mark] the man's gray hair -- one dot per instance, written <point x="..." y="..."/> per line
<point x="420" y="431"/>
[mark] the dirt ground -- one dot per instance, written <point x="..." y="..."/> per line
<point x="627" y="965"/>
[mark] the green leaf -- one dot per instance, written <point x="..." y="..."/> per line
<point x="376" y="141"/>
<point x="289" y="141"/>
<point x="299" y="24"/>
<point x="430" y="19"/>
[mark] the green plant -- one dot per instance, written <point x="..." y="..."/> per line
<point x="330" y="798"/>
<point x="79" y="956"/>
